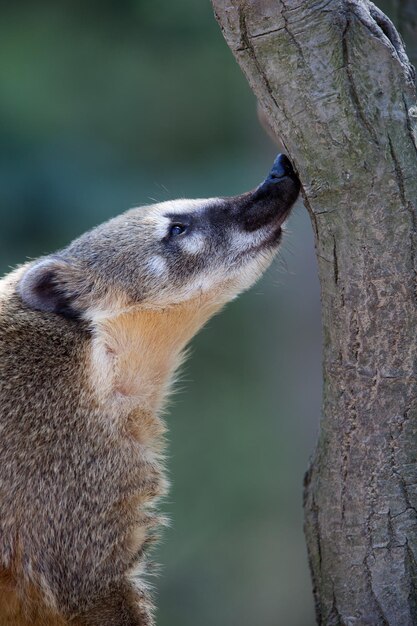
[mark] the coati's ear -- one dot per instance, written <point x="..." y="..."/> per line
<point x="43" y="288"/>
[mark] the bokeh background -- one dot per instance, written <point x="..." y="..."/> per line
<point x="106" y="105"/>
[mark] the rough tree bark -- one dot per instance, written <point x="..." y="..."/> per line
<point x="337" y="87"/>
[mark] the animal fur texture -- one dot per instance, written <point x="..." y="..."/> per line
<point x="90" y="338"/>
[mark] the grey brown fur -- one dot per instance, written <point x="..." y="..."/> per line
<point x="65" y="474"/>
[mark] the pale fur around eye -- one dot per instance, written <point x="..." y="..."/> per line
<point x="157" y="265"/>
<point x="193" y="244"/>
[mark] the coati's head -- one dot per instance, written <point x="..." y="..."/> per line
<point x="165" y="254"/>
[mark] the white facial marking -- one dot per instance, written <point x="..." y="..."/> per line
<point x="240" y="241"/>
<point x="192" y="244"/>
<point x="157" y="265"/>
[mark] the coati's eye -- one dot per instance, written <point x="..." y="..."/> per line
<point x="177" y="229"/>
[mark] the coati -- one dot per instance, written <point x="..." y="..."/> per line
<point x="89" y="340"/>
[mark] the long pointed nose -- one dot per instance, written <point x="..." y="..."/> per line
<point x="272" y="200"/>
<point x="281" y="168"/>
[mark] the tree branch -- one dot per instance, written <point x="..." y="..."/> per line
<point x="337" y="88"/>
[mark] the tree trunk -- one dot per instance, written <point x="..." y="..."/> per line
<point x="337" y="87"/>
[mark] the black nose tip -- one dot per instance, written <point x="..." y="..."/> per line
<point x="281" y="167"/>
<point x="281" y="173"/>
<point x="273" y="199"/>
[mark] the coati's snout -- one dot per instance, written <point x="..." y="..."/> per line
<point x="272" y="200"/>
<point x="164" y="254"/>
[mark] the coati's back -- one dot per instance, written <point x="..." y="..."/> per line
<point x="89" y="340"/>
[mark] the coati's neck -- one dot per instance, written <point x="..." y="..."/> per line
<point x="135" y="354"/>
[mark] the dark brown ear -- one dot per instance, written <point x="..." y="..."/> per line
<point x="43" y="288"/>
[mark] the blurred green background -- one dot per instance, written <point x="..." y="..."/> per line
<point x="107" y="105"/>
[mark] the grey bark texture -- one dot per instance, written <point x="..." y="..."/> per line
<point x="337" y="88"/>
